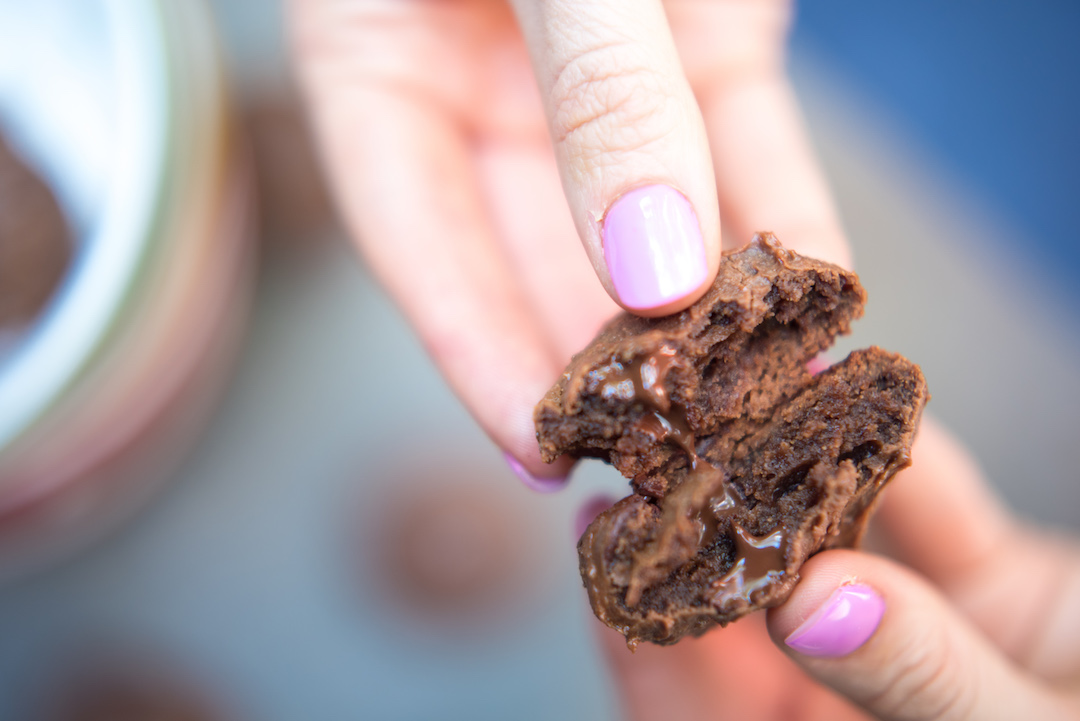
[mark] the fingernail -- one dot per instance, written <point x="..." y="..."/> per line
<point x="818" y="363"/>
<point x="841" y="625"/>
<point x="540" y="485"/>
<point x="653" y="247"/>
<point x="589" y="511"/>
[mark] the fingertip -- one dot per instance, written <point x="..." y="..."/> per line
<point x="631" y="146"/>
<point x="549" y="478"/>
<point x="821" y="577"/>
<point x="655" y="250"/>
<point x="823" y="240"/>
<point x="881" y="636"/>
<point x="589" y="510"/>
<point x="964" y="527"/>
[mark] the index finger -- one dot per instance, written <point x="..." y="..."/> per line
<point x="631" y="147"/>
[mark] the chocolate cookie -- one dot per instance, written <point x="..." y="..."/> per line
<point x="35" y="245"/>
<point x="743" y="463"/>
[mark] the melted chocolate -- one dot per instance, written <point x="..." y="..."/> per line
<point x="643" y="379"/>
<point x="742" y="463"/>
<point x="758" y="560"/>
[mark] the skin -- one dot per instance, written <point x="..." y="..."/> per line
<point x="981" y="620"/>
<point x="474" y="146"/>
<point x="433" y="105"/>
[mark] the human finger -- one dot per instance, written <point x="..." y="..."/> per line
<point x="767" y="175"/>
<point x="1019" y="586"/>
<point x="630" y="145"/>
<point x="885" y="639"/>
<point x="403" y="179"/>
<point x="939" y="515"/>
<point x="528" y="210"/>
<point x="734" y="672"/>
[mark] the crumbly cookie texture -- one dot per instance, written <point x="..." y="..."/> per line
<point x="742" y="462"/>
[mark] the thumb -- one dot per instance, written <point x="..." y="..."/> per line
<point x="881" y="636"/>
<point x="631" y="145"/>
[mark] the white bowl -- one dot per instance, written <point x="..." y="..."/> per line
<point x="124" y="43"/>
<point x="118" y="373"/>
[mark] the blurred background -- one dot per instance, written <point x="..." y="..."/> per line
<point x="212" y="500"/>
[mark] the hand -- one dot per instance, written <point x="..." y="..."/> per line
<point x="447" y="160"/>
<point x="982" y="623"/>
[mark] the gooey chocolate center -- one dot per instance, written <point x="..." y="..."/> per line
<point x="759" y="560"/>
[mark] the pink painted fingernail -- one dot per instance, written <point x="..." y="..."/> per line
<point x="589" y="511"/>
<point x="841" y="625"/>
<point x="540" y="485"/>
<point x="818" y="363"/>
<point x="653" y="247"/>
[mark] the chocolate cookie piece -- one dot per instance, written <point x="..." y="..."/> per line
<point x="736" y="353"/>
<point x="743" y="464"/>
<point x="35" y="245"/>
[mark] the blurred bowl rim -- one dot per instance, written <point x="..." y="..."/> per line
<point x="92" y="295"/>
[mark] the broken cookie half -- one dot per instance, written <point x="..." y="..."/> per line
<point x="743" y="463"/>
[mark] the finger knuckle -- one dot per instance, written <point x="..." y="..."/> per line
<point x="927" y="681"/>
<point x="610" y="100"/>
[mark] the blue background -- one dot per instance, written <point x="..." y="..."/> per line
<point x="992" y="89"/>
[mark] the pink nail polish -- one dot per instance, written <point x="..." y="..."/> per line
<point x="818" y="363"/>
<point x="540" y="485"/>
<point x="589" y="511"/>
<point x="843" y="623"/>
<point x="653" y="247"/>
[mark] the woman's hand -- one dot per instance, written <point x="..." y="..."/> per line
<point x="447" y="162"/>
<point x="983" y="622"/>
<point x="657" y="118"/>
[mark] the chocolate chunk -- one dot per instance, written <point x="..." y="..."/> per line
<point x="35" y="245"/>
<point x="743" y="464"/>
